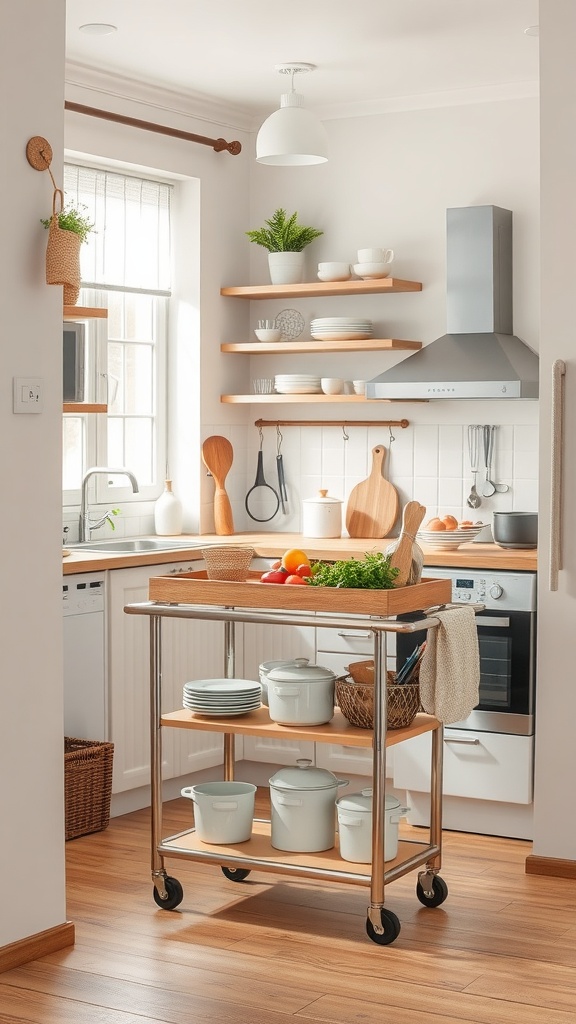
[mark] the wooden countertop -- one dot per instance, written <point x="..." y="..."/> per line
<point x="272" y="545"/>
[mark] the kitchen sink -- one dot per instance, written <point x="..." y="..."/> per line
<point x="136" y="544"/>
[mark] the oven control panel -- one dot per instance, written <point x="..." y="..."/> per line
<point x="507" y="591"/>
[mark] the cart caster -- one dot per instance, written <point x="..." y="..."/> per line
<point x="439" y="892"/>
<point x="236" y="874"/>
<point x="390" y="924"/>
<point x="175" y="894"/>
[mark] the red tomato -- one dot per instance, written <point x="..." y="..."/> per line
<point x="304" y="570"/>
<point x="277" y="564"/>
<point x="274" y="576"/>
<point x="294" y="578"/>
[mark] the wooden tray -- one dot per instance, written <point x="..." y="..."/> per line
<point x="195" y="588"/>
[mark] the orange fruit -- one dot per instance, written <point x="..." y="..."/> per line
<point x="450" y="522"/>
<point x="435" y="524"/>
<point x="292" y="558"/>
<point x="295" y="578"/>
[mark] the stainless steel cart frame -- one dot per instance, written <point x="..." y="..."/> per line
<point x="382" y="924"/>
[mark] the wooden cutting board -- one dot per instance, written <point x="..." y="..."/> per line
<point x="373" y="505"/>
<point x="217" y="456"/>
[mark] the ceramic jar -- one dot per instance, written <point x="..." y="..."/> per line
<point x="322" y="516"/>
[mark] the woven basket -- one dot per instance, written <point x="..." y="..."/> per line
<point x="63" y="255"/>
<point x="227" y="561"/>
<point x="87" y="785"/>
<point x="356" y="702"/>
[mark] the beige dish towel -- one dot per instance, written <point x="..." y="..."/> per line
<point x="450" y="667"/>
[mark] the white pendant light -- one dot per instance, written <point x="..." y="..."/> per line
<point x="292" y="136"/>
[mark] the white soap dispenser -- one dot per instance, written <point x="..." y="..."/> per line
<point x="168" y="512"/>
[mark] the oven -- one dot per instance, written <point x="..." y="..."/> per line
<point x="507" y="644"/>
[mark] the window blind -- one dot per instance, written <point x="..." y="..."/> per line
<point x="130" y="245"/>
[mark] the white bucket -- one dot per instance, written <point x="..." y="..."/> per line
<point x="223" y="811"/>
<point x="355" y="826"/>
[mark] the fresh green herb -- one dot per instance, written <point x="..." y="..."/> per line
<point x="112" y="512"/>
<point x="373" y="572"/>
<point x="71" y="219"/>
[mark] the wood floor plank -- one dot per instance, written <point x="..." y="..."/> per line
<point x="501" y="950"/>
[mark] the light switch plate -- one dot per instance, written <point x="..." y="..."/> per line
<point x="28" y="394"/>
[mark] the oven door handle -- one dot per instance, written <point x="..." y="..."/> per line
<point x="496" y="621"/>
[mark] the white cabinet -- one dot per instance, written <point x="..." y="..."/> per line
<point x="190" y="650"/>
<point x="273" y="643"/>
<point x="479" y="765"/>
<point x="335" y="649"/>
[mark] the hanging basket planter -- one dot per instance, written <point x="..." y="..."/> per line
<point x="63" y="255"/>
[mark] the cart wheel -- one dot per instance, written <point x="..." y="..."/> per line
<point x="174" y="897"/>
<point x="236" y="874"/>
<point x="439" y="892"/>
<point x="390" y="924"/>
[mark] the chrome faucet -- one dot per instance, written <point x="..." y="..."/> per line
<point x="86" y="525"/>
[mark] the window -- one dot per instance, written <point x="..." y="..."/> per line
<point x="126" y="268"/>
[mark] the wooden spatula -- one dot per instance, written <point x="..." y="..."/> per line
<point x="405" y="554"/>
<point x="217" y="456"/>
<point x="372" y="507"/>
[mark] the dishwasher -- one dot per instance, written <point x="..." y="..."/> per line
<point x="85" y="690"/>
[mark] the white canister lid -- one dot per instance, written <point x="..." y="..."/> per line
<point x="300" y="671"/>
<point x="323" y="498"/>
<point x="362" y="802"/>
<point x="304" y="776"/>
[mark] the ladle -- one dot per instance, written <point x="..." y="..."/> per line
<point x="473" y="500"/>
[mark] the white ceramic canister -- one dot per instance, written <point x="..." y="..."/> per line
<point x="303" y="802"/>
<point x="168" y="513"/>
<point x="322" y="516"/>
<point x="355" y="826"/>
<point x="223" y="811"/>
<point x="301" y="694"/>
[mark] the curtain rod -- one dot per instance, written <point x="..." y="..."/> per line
<point x="218" y="145"/>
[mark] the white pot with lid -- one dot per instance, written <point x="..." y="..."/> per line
<point x="264" y="670"/>
<point x="322" y="516"/>
<point x="354" y="812"/>
<point x="303" y="802"/>
<point x="301" y="694"/>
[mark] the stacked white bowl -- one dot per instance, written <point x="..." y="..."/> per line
<point x="341" y="328"/>
<point x="297" y="384"/>
<point x="373" y="263"/>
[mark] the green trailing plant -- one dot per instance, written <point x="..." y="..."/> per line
<point x="72" y="219"/>
<point x="283" y="233"/>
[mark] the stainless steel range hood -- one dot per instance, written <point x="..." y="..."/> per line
<point x="479" y="357"/>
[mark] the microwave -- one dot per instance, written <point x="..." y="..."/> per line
<point x="74" y="348"/>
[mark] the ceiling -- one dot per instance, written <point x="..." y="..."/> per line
<point x="370" y="56"/>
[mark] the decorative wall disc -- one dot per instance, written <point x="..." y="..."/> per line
<point x="291" y="323"/>
<point x="39" y="153"/>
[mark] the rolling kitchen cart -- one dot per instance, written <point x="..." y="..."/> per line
<point x="193" y="596"/>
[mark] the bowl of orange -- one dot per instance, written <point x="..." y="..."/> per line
<point x="448" y="533"/>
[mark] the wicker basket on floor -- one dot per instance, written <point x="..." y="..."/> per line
<point x="87" y="785"/>
<point x="356" y="702"/>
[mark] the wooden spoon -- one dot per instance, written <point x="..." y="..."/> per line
<point x="217" y="456"/>
<point x="406" y="555"/>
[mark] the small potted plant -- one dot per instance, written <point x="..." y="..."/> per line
<point x="68" y="228"/>
<point x="285" y="239"/>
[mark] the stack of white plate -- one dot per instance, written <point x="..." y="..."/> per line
<point x="222" y="696"/>
<point x="297" y="384"/>
<point x="341" y="328"/>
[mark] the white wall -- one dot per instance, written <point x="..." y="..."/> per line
<point x="554" y="823"/>
<point x="31" y="729"/>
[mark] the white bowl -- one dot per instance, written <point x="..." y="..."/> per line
<point x="447" y="540"/>
<point x="372" y="271"/>
<point x="334" y="271"/>
<point x="376" y="255"/>
<point x="268" y="335"/>
<point x="331" y="385"/>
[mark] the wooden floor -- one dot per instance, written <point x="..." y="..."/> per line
<point x="500" y="950"/>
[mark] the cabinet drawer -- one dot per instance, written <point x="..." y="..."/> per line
<point x="480" y="765"/>
<point x="351" y="641"/>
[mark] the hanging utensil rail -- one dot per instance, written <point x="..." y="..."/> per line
<point x="332" y="423"/>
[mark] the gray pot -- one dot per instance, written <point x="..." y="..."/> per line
<point x="303" y="804"/>
<point x="515" y="529"/>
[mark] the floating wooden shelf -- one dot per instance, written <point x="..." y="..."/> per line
<point x="260" y="348"/>
<point x="316" y="288"/>
<point x="84" y="407"/>
<point x="85" y="313"/>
